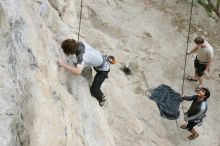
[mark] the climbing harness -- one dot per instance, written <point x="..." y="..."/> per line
<point x="201" y="120"/>
<point x="80" y="18"/>
<point x="104" y="60"/>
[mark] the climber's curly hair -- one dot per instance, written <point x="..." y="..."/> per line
<point x="69" y="46"/>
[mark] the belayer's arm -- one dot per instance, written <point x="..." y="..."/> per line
<point x="193" y="50"/>
<point x="188" y="98"/>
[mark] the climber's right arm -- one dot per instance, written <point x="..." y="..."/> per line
<point x="74" y="70"/>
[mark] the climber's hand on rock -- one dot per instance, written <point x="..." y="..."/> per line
<point x="60" y="62"/>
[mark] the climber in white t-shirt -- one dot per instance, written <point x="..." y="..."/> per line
<point x="88" y="57"/>
<point x="203" y="61"/>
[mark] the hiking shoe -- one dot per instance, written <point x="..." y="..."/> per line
<point x="102" y="103"/>
<point x="191" y="78"/>
<point x="193" y="136"/>
<point x="184" y="126"/>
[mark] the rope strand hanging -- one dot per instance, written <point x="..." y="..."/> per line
<point x="80" y="18"/>
<point x="187" y="47"/>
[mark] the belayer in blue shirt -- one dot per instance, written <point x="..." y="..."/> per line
<point x="196" y="112"/>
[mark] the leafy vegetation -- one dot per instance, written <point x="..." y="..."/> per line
<point x="211" y="6"/>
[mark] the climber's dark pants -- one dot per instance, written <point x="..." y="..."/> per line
<point x="97" y="83"/>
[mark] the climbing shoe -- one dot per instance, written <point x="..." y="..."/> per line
<point x="102" y="102"/>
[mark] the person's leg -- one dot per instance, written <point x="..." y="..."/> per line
<point x="199" y="78"/>
<point x="199" y="71"/>
<point x="196" y="76"/>
<point x="191" y="129"/>
<point x="196" y="67"/>
<point x="194" y="134"/>
<point x="96" y="85"/>
<point x="200" y="82"/>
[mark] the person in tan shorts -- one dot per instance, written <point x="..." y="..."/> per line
<point x="203" y="59"/>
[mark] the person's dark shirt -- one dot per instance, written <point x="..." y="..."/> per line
<point x="197" y="108"/>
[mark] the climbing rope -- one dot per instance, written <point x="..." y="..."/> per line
<point x="187" y="46"/>
<point x="80" y="18"/>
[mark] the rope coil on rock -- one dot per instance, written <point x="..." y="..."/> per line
<point x="168" y="101"/>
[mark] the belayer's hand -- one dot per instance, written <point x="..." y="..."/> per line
<point x="60" y="62"/>
<point x="181" y="97"/>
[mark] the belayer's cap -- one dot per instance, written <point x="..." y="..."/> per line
<point x="111" y="59"/>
